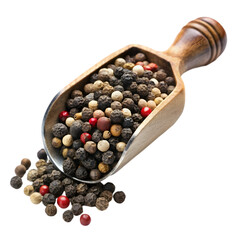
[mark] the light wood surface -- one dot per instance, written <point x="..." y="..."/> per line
<point x="199" y="43"/>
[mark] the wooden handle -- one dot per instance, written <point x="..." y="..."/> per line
<point x="199" y="43"/>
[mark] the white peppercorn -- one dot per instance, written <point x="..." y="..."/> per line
<point x="142" y="103"/>
<point x="126" y="112"/>
<point x="151" y="104"/>
<point x="67" y="140"/>
<point x="117" y="96"/>
<point x="93" y="104"/>
<point x="138" y="69"/>
<point x="120" y="146"/>
<point x="158" y="100"/>
<point x="119" y="62"/>
<point x="69" y="121"/>
<point x="103" y="145"/>
<point x="36" y="197"/>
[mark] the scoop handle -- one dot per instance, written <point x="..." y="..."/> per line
<point x="199" y="43"/>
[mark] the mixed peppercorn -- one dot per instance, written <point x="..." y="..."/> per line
<point x="50" y="186"/>
<point x="99" y="119"/>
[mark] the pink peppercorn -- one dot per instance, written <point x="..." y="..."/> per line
<point x="93" y="121"/>
<point x="145" y="111"/>
<point x="85" y="137"/>
<point x="63" y="116"/>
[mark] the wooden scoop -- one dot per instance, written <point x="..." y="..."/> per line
<point x="199" y="43"/>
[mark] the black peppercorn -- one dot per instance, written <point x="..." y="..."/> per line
<point x="136" y="98"/>
<point x="127" y="94"/>
<point x="113" y="141"/>
<point x="116" y="116"/>
<point x="50" y="167"/>
<point x="78" y="199"/>
<point x="46" y="178"/>
<point x="103" y="75"/>
<point x="116" y="105"/>
<point x="119" y="71"/>
<point x="68" y="216"/>
<point x="148" y="74"/>
<point x="128" y="103"/>
<point x="104" y="101"/>
<point x="160" y="75"/>
<point x="37" y="184"/>
<point x="133" y="87"/>
<point x="77" y="209"/>
<point x="95" y="174"/>
<point x="142" y="80"/>
<point x="142" y="90"/>
<point x="81" y="154"/>
<point x="59" y="130"/>
<point x="56" y="188"/>
<point x="71" y="153"/>
<point x="107" y="194"/>
<point x="93" y="78"/>
<point x="96" y="189"/>
<point x="81" y="173"/>
<point x="137" y="117"/>
<point x="163" y="86"/>
<point x="51" y="210"/>
<point x="76" y="129"/>
<point x="108" y="157"/>
<point x="119" y="197"/>
<point x="109" y="187"/>
<point x="126" y="133"/>
<point x="113" y="81"/>
<point x="89" y="163"/>
<point x="135" y="126"/>
<point x="128" y="78"/>
<point x="67" y="181"/>
<point x="97" y="94"/>
<point x="119" y="88"/>
<point x="170" y="81"/>
<point x="73" y="111"/>
<point x="89" y="98"/>
<point x="127" y="122"/>
<point x="78" y="102"/>
<point x="82" y="188"/>
<point x="139" y="57"/>
<point x="90" y="199"/>
<point x="48" y="198"/>
<point x="70" y="103"/>
<point x="16" y="182"/>
<point x="97" y="136"/>
<point x="77" y="144"/>
<point x="98" y="155"/>
<point x="69" y="166"/>
<point x="42" y="154"/>
<point x="86" y="127"/>
<point x="102" y="203"/>
<point x="87" y="113"/>
<point x="56" y="175"/>
<point x="70" y="191"/>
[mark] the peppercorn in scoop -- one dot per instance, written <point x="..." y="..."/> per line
<point x="100" y="118"/>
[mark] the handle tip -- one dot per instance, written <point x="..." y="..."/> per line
<point x="213" y="32"/>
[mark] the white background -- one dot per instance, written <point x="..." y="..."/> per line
<point x="186" y="185"/>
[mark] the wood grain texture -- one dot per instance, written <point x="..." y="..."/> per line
<point x="199" y="43"/>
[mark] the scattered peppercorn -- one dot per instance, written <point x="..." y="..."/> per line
<point x="119" y="197"/>
<point x="102" y="203"/>
<point x="77" y="209"/>
<point x="26" y="162"/>
<point x="20" y="170"/>
<point x="16" y="182"/>
<point x="36" y="197"/>
<point x="51" y="210"/>
<point x="68" y="216"/>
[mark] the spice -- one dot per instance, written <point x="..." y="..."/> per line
<point x="69" y="121"/>
<point x="127" y="122"/>
<point x="16" y="182"/>
<point x="76" y="129"/>
<point x="56" y="188"/>
<point x="128" y="103"/>
<point x="108" y="111"/>
<point x="85" y="219"/>
<point x="116" y="105"/>
<point x="117" y="96"/>
<point x="20" y="170"/>
<point x="51" y="210"/>
<point x="90" y="199"/>
<point x="119" y="197"/>
<point x="32" y="175"/>
<point x="145" y="111"/>
<point x="68" y="216"/>
<point x="58" y="130"/>
<point x="103" y="168"/>
<point x="76" y="93"/>
<point x="81" y="173"/>
<point x="103" y="124"/>
<point x="126" y="134"/>
<point x="107" y="194"/>
<point x="86" y="126"/>
<point x="69" y="166"/>
<point x="63" y="201"/>
<point x="56" y="142"/>
<point x="116" y="116"/>
<point x="95" y="174"/>
<point x="120" y="146"/>
<point x="104" y="101"/>
<point x="93" y="122"/>
<point x="36" y="197"/>
<point x="106" y="134"/>
<point x="48" y="198"/>
<point x="78" y="199"/>
<point x="85" y="137"/>
<point x="76" y="209"/>
<point x="102" y="203"/>
<point x="109" y="187"/>
<point x="90" y="147"/>
<point x="98" y="113"/>
<point x="63" y="116"/>
<point x="108" y="157"/>
<point x="82" y="188"/>
<point x="140" y="57"/>
<point x="97" y="136"/>
<point x="151" y="104"/>
<point x="103" y="145"/>
<point x="87" y="113"/>
<point x="37" y="184"/>
<point x="28" y="190"/>
<point x="26" y="162"/>
<point x="138" y="69"/>
<point x="119" y="62"/>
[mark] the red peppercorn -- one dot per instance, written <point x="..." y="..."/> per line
<point x="145" y="111"/>
<point x="44" y="189"/>
<point x="85" y="137"/>
<point x="147" y="67"/>
<point x="153" y="67"/>
<point x="63" y="201"/>
<point x="140" y="63"/>
<point x="85" y="219"/>
<point x="93" y="121"/>
<point x="63" y="116"/>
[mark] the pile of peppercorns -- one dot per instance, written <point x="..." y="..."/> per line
<point x="99" y="119"/>
<point x="49" y="185"/>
